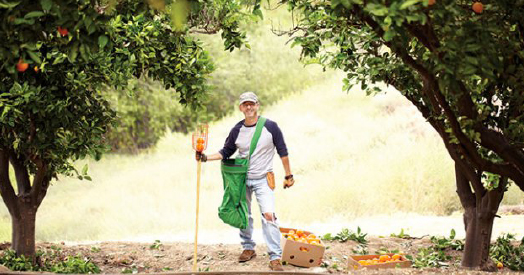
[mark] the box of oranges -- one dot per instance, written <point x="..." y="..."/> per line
<point x="378" y="261"/>
<point x="301" y="248"/>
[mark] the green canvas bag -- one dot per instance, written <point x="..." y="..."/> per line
<point x="233" y="209"/>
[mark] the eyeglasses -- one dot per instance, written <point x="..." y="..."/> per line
<point x="249" y="104"/>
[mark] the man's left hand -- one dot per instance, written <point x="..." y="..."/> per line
<point x="289" y="182"/>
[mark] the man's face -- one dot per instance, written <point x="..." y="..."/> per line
<point x="249" y="108"/>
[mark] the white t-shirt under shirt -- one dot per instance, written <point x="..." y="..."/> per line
<point x="262" y="159"/>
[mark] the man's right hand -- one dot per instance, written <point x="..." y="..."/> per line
<point x="199" y="156"/>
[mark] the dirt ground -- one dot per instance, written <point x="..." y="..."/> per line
<point x="128" y="257"/>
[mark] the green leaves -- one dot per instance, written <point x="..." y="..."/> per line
<point x="35" y="57"/>
<point x="508" y="252"/>
<point x="5" y="4"/>
<point x="34" y="14"/>
<point x="46" y="4"/>
<point x="409" y="3"/>
<point x="102" y="41"/>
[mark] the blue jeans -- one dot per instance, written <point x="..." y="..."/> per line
<point x="266" y="202"/>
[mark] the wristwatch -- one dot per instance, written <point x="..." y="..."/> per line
<point x="288" y="177"/>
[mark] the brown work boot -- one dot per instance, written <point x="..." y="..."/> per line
<point x="247" y="255"/>
<point x="275" y="265"/>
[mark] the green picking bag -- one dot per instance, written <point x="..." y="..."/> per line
<point x="233" y="209"/>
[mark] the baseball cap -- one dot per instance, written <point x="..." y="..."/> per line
<point x="248" y="96"/>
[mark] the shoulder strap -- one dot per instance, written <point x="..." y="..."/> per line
<point x="260" y="124"/>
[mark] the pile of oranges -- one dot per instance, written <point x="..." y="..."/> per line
<point x="381" y="259"/>
<point x="302" y="237"/>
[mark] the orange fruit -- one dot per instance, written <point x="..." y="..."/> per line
<point x="21" y="66"/>
<point x="500" y="265"/>
<point x="200" y="147"/>
<point x="477" y="7"/>
<point x="62" y="31"/>
<point x="362" y="262"/>
<point x="384" y="258"/>
<point x="36" y="69"/>
<point x="291" y="232"/>
<point x="300" y="233"/>
<point x="311" y="236"/>
<point x="200" y="140"/>
<point x="431" y="2"/>
<point x="396" y="257"/>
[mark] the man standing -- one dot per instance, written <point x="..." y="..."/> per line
<point x="260" y="175"/>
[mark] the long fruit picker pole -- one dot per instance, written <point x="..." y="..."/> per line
<point x="196" y="224"/>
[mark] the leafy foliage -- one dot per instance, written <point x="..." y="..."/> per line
<point x="145" y="109"/>
<point x="436" y="254"/>
<point x="58" y="55"/>
<point x="345" y="235"/>
<point x="508" y="254"/>
<point x="401" y="235"/>
<point x="463" y="71"/>
<point x="443" y="243"/>
<point x="51" y="261"/>
<point x="156" y="245"/>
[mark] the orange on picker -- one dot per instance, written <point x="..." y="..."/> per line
<point x="199" y="142"/>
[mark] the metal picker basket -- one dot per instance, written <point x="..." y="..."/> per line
<point x="199" y="139"/>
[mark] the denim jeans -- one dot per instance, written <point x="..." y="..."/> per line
<point x="266" y="202"/>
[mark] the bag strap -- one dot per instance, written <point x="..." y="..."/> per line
<point x="260" y="124"/>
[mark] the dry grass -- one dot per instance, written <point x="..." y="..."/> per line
<point x="352" y="156"/>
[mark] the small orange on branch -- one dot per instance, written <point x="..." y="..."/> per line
<point x="477" y="7"/>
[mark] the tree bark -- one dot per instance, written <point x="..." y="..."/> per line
<point x="23" y="238"/>
<point x="479" y="215"/>
<point x="24" y="205"/>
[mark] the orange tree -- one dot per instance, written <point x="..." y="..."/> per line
<point x="57" y="55"/>
<point x="461" y="63"/>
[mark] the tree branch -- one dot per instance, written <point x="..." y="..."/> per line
<point x="22" y="177"/>
<point x="466" y="196"/>
<point x="40" y="182"/>
<point x="6" y="189"/>
<point x="467" y="147"/>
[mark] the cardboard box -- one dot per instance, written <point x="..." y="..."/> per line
<point x="301" y="254"/>
<point x="353" y="262"/>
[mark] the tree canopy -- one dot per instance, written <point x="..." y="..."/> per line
<point x="57" y="57"/>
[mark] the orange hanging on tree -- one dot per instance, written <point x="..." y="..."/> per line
<point x="477" y="7"/>
<point x="21" y="66"/>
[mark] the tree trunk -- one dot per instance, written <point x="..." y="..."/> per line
<point x="480" y="209"/>
<point x="23" y="239"/>
<point x="479" y="225"/>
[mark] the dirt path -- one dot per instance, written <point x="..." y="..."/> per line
<point x="218" y="251"/>
<point x="119" y="257"/>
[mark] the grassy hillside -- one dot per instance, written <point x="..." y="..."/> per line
<point x="352" y="156"/>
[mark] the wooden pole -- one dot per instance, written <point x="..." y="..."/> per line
<point x="196" y="223"/>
